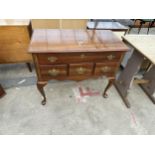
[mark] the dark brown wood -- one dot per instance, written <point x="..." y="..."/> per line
<point x="75" y="55"/>
<point x="110" y="83"/>
<point x="2" y="92"/>
<point x="106" y="68"/>
<point x="64" y="41"/>
<point x="36" y="64"/>
<point x="81" y="69"/>
<point x="53" y="71"/>
<point x="40" y="86"/>
<point x="30" y="30"/>
<point x="59" y="58"/>
<point x="29" y="66"/>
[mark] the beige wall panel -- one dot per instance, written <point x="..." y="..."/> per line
<point x="45" y="23"/>
<point x="73" y="23"/>
<point x="59" y="23"/>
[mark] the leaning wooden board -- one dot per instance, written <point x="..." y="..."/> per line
<point x="144" y="48"/>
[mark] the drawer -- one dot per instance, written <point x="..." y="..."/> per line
<point x="45" y="59"/>
<point x="81" y="69"/>
<point x="53" y="71"/>
<point x="107" y="69"/>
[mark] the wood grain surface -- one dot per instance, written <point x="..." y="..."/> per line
<point x="14" y="41"/>
<point x="75" y="55"/>
<point x="60" y="40"/>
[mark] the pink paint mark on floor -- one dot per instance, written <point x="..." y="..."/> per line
<point x="133" y="117"/>
<point x="87" y="92"/>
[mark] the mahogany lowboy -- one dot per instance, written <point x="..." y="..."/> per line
<point x="75" y="55"/>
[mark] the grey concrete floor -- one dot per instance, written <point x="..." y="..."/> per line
<point x="66" y="111"/>
<point x="22" y="113"/>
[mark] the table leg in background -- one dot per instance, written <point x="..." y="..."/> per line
<point x="149" y="88"/>
<point x="2" y="92"/>
<point x="110" y="83"/>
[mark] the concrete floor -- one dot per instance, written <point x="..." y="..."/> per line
<point x="22" y="113"/>
<point x="66" y="111"/>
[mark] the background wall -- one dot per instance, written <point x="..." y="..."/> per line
<point x="59" y="23"/>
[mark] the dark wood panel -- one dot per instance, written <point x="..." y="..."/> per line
<point x="81" y="69"/>
<point x="75" y="55"/>
<point x="2" y="92"/>
<point x="78" y="57"/>
<point x="105" y="68"/>
<point x="53" y="71"/>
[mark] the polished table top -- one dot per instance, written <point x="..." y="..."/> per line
<point x="145" y="44"/>
<point x="62" y="40"/>
<point x="114" y="26"/>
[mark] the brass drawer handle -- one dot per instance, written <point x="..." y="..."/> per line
<point x="111" y="57"/>
<point x="53" y="72"/>
<point x="81" y="70"/>
<point x="82" y="56"/>
<point x="106" y="69"/>
<point x="52" y="59"/>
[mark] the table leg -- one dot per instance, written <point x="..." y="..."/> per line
<point x="29" y="66"/>
<point x="2" y="92"/>
<point x="126" y="77"/>
<point x="141" y="23"/>
<point x="40" y="86"/>
<point x="150" y="25"/>
<point x="110" y="83"/>
<point x="149" y="88"/>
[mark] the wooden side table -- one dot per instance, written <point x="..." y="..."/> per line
<point x="144" y="48"/>
<point x="75" y="55"/>
<point x="14" y="40"/>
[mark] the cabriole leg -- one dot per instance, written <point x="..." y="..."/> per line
<point x="111" y="81"/>
<point x="29" y="66"/>
<point x="40" y="86"/>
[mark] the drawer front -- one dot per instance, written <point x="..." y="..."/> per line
<point x="107" y="69"/>
<point x="53" y="71"/>
<point x="45" y="59"/>
<point x="81" y="69"/>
